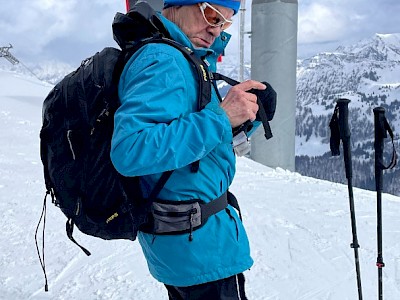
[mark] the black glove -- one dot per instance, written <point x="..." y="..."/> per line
<point x="268" y="99"/>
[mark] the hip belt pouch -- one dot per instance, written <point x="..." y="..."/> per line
<point x="173" y="217"/>
<point x="176" y="217"/>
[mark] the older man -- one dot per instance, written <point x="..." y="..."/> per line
<point x="159" y="128"/>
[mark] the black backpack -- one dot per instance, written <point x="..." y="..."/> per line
<point x="75" y="139"/>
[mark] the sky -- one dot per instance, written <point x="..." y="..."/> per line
<point x="70" y="30"/>
<point x="299" y="228"/>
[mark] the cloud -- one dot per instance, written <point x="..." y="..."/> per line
<point x="70" y="30"/>
<point x="321" y="23"/>
<point x="48" y="29"/>
<point x="37" y="22"/>
<point x="340" y="20"/>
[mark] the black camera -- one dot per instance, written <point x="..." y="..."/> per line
<point x="266" y="100"/>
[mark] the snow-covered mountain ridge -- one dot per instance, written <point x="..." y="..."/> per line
<point x="50" y="72"/>
<point x="369" y="67"/>
<point x="367" y="73"/>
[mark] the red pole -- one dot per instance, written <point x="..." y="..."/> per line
<point x="127" y="5"/>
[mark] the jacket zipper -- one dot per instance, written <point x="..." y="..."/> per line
<point x="176" y="214"/>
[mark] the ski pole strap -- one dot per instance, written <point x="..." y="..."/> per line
<point x="393" y="161"/>
<point x="335" y="133"/>
<point x="382" y="127"/>
<point x="261" y="110"/>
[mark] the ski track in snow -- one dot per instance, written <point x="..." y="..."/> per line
<point x="299" y="229"/>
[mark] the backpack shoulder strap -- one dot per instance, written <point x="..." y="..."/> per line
<point x="200" y="67"/>
<point x="142" y="26"/>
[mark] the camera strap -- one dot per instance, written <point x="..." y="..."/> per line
<point x="261" y="111"/>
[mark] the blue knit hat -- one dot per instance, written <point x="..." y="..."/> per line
<point x="233" y="4"/>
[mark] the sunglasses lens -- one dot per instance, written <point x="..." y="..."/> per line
<point x="226" y="25"/>
<point x="215" y="18"/>
<point x="211" y="16"/>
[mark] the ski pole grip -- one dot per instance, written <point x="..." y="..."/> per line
<point x="380" y="134"/>
<point x="343" y="105"/>
<point x="379" y="124"/>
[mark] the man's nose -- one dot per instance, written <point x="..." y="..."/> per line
<point x="214" y="31"/>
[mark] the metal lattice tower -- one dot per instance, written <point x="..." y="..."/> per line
<point x="5" y="52"/>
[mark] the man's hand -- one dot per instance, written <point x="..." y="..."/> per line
<point x="240" y="105"/>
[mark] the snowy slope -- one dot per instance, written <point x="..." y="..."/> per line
<point x="299" y="229"/>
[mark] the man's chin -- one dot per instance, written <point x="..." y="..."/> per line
<point x="200" y="43"/>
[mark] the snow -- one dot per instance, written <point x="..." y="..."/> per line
<point x="311" y="147"/>
<point x="299" y="228"/>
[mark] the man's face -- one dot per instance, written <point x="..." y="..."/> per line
<point x="191" y="21"/>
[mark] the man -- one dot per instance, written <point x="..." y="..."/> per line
<point x="159" y="128"/>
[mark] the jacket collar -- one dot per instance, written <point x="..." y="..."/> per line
<point x="211" y="53"/>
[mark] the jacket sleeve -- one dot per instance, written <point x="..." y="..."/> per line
<point x="157" y="127"/>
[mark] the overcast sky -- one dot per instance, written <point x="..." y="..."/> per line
<point x="70" y="30"/>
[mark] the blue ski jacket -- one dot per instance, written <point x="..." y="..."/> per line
<point x="158" y="128"/>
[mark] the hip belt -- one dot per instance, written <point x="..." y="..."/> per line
<point x="177" y="217"/>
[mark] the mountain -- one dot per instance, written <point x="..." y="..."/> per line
<point x="299" y="228"/>
<point x="367" y="73"/>
<point x="49" y="71"/>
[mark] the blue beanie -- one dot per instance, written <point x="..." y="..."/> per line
<point x="233" y="4"/>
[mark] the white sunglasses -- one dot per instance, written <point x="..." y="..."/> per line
<point x="213" y="17"/>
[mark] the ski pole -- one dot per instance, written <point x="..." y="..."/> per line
<point x="340" y="131"/>
<point x="380" y="134"/>
<point x="381" y="127"/>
